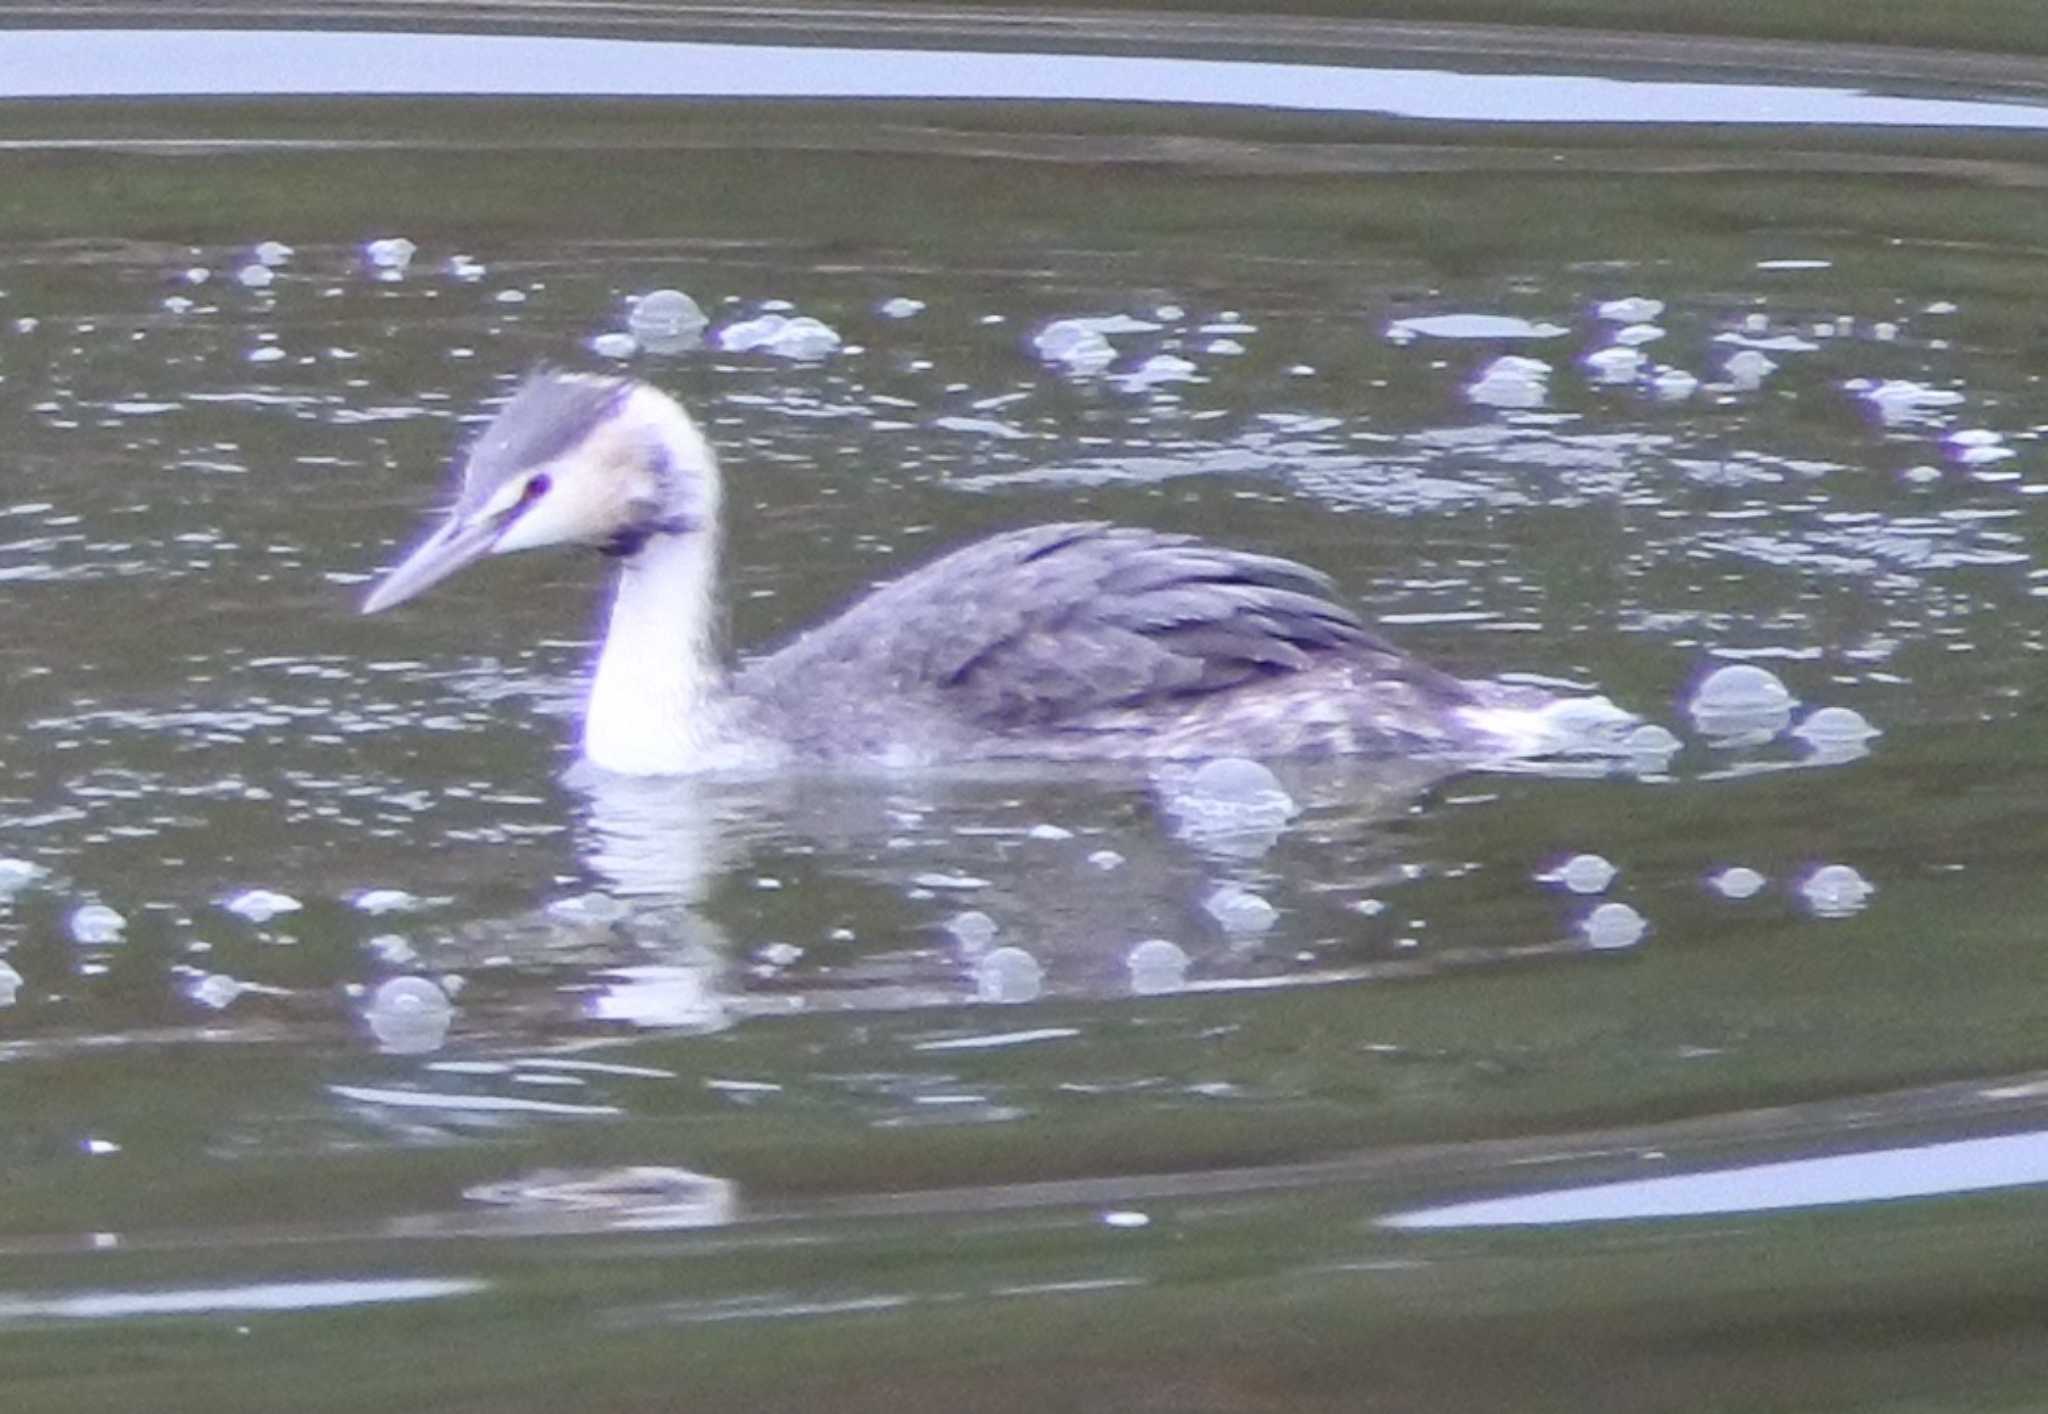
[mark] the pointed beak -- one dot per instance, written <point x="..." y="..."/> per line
<point x="457" y="543"/>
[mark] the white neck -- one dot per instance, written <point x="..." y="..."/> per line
<point x="652" y="699"/>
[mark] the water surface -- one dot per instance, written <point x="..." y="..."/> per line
<point x="344" y="1014"/>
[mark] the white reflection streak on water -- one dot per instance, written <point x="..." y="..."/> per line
<point x="996" y="1041"/>
<point x="267" y="1296"/>
<point x="1922" y="1171"/>
<point x="138" y="63"/>
<point x="473" y="1104"/>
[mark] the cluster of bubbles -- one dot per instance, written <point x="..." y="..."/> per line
<point x="1743" y="705"/>
<point x="660" y="321"/>
<point x="1081" y="346"/>
<point x="783" y="335"/>
<point x="1520" y="381"/>
<point x="1228" y="807"/>
<point x="1237" y="808"/>
<point x="1627" y="328"/>
<point x="667" y="321"/>
<point x="1009" y="975"/>
<point x="1607" y="926"/>
<point x="1827" y="891"/>
<point x="387" y="259"/>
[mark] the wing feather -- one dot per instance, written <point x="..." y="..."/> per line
<point x="1045" y="626"/>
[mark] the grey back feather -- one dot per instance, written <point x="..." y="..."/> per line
<point x="1037" y="629"/>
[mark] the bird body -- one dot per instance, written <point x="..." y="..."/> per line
<point x="1073" y="641"/>
<point x="1087" y="640"/>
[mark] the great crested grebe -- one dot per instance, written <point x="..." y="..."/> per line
<point x="1080" y="641"/>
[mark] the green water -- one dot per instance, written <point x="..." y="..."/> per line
<point x="1095" y="1197"/>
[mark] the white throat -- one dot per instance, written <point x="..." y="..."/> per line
<point x="654" y="694"/>
<point x="656" y="688"/>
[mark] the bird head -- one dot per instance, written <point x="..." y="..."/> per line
<point x="571" y="459"/>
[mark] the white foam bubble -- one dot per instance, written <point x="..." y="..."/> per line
<point x="260" y="905"/>
<point x="1747" y="368"/>
<point x="665" y="311"/>
<point x="1614" y="365"/>
<point x="1511" y="381"/>
<point x="1741" y="704"/>
<point x="1737" y="882"/>
<point x="1228" y="798"/>
<point x="1632" y="309"/>
<point x="1075" y="344"/>
<point x="18" y="874"/>
<point x="779" y="954"/>
<point x="1474" y="326"/>
<point x="374" y="901"/>
<point x="1774" y="343"/>
<point x="802" y="337"/>
<point x="1239" y="910"/>
<point x="216" y="990"/>
<point x="409" y="1016"/>
<point x="956" y="882"/>
<point x="972" y="929"/>
<point x="1161" y="369"/>
<point x="1673" y="385"/>
<point x="1613" y="925"/>
<point x="1582" y="874"/>
<point x="1651" y="745"/>
<point x="391" y="253"/>
<point x="1836" y="891"/>
<point x="392" y="949"/>
<point x="1157" y="965"/>
<point x="97" y="925"/>
<point x="1902" y="400"/>
<point x="1008" y="975"/>
<point x="667" y="321"/>
<point x="1835" y="729"/>
<point x="593" y="907"/>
